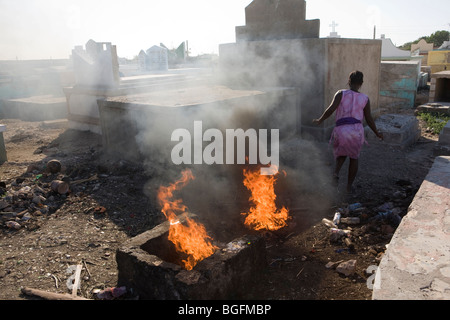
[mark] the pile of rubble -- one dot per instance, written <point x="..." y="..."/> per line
<point x="39" y="191"/>
<point x="363" y="227"/>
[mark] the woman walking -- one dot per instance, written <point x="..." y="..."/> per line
<point x="351" y="108"/>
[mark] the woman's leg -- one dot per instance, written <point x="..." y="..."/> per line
<point x="339" y="163"/>
<point x="352" y="171"/>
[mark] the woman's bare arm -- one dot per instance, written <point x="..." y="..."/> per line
<point x="331" y="109"/>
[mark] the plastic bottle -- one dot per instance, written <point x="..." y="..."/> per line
<point x="351" y="220"/>
<point x="337" y="218"/>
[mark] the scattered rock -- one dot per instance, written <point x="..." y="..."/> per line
<point x="332" y="265"/>
<point x="38" y="199"/>
<point x="347" y="268"/>
<point x="13" y="225"/>
<point x="3" y="204"/>
<point x="387" y="229"/>
<point x="32" y="168"/>
<point x="100" y="209"/>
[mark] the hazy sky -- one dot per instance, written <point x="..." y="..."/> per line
<point x="43" y="29"/>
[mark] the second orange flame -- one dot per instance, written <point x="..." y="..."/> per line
<point x="263" y="214"/>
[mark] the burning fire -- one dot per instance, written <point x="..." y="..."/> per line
<point x="264" y="213"/>
<point x="191" y="239"/>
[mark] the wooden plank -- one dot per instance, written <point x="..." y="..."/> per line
<point x="49" y="295"/>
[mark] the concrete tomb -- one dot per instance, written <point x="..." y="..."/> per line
<point x="96" y="66"/>
<point x="150" y="265"/>
<point x="97" y="78"/>
<point x="154" y="59"/>
<point x="32" y="90"/>
<point x="96" y="71"/>
<point x="36" y="108"/>
<point x="139" y="125"/>
<point x="399" y="83"/>
<point x="398" y="130"/>
<point x="440" y="87"/>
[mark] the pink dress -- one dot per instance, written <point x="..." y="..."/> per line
<point x="348" y="135"/>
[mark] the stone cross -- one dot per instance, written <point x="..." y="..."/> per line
<point x="334" y="25"/>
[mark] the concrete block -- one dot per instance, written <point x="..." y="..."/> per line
<point x="437" y="108"/>
<point x="398" y="130"/>
<point x="149" y="264"/>
<point x="398" y="83"/>
<point x="416" y="264"/>
<point x="446" y="129"/>
<point x="442" y="148"/>
<point x="444" y="136"/>
<point x="439" y="150"/>
<point x="444" y="140"/>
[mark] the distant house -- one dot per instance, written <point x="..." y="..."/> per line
<point x="421" y="49"/>
<point x="422" y="46"/>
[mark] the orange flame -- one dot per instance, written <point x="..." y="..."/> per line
<point x="192" y="239"/>
<point x="264" y="213"/>
<point x="169" y="207"/>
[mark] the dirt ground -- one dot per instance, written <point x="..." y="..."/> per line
<point x="107" y="205"/>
